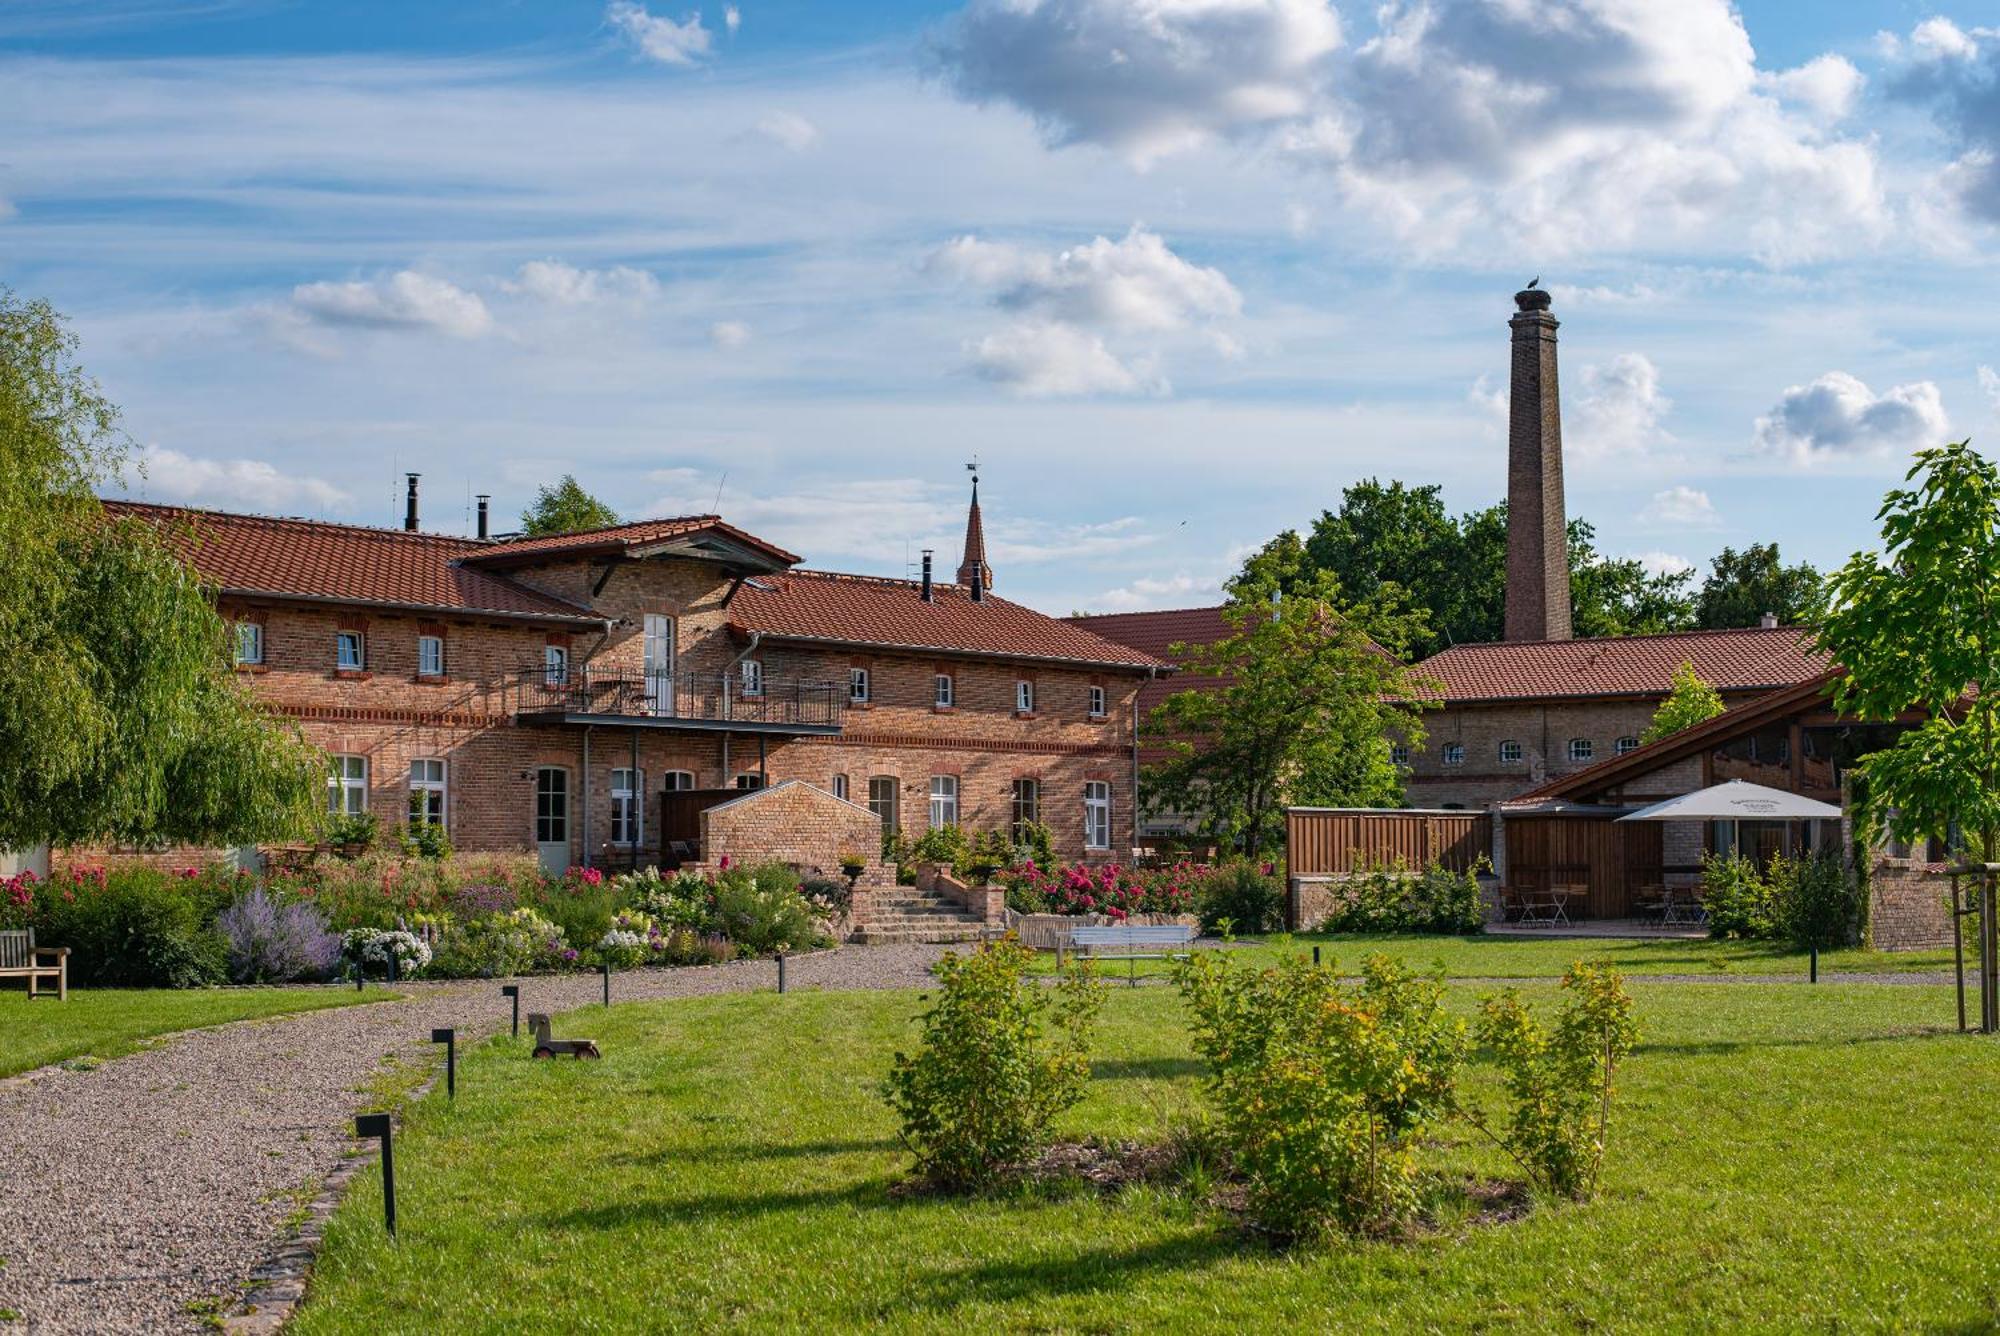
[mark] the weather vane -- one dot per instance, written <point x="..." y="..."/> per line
<point x="973" y="468"/>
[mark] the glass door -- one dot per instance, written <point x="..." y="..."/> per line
<point x="660" y="663"/>
<point x="552" y="819"/>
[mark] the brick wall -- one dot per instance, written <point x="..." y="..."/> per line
<point x="1909" y="906"/>
<point x="1543" y="731"/>
<point x="795" y="823"/>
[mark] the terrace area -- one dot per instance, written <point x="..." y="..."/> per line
<point x="591" y="695"/>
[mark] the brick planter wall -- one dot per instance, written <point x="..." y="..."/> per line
<point x="796" y="823"/>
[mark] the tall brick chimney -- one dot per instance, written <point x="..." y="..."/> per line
<point x="1537" y="546"/>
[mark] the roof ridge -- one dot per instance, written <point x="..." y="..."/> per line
<point x="1145" y="612"/>
<point x="609" y="528"/>
<point x="860" y="577"/>
<point x="1694" y="633"/>
<point x="254" y="517"/>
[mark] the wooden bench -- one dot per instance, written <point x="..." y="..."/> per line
<point x="1131" y="942"/>
<point x="21" y="958"/>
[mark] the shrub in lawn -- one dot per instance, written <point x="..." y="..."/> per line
<point x="270" y="941"/>
<point x="1323" y="1092"/>
<point x="1001" y="1058"/>
<point x="1814" y="902"/>
<point x="1561" y="1080"/>
<point x="1394" y="898"/>
<point x="1736" y="898"/>
<point x="761" y="910"/>
<point x="1250" y="895"/>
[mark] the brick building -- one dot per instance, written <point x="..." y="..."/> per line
<point x="557" y="694"/>
<point x="1515" y="714"/>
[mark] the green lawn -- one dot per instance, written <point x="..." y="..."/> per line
<point x="1511" y="957"/>
<point x="108" y="1022"/>
<point x="1782" y="1159"/>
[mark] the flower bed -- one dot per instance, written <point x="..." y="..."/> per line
<point x="1239" y="897"/>
<point x="441" y="917"/>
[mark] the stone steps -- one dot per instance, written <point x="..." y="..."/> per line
<point x="942" y="933"/>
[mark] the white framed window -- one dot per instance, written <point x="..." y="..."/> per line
<point x="857" y="686"/>
<point x="347" y="785"/>
<point x="1510" y="752"/>
<point x="1096" y="814"/>
<point x="677" y="781"/>
<point x="657" y="662"/>
<point x="1625" y="744"/>
<point x="1580" y="749"/>
<point x="1454" y="753"/>
<point x="430" y="656"/>
<point x="941" y="691"/>
<point x="1097" y="703"/>
<point x="1399" y="753"/>
<point x="249" y="642"/>
<point x="840" y="786"/>
<point x="1024" y="697"/>
<point x="1027" y="807"/>
<point x="752" y="671"/>
<point x="884" y="800"/>
<point x="944" y="801"/>
<point x="628" y="806"/>
<point x="555" y="665"/>
<point x="350" y="651"/>
<point x="427" y="780"/>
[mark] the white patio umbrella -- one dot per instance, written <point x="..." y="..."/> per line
<point x="1736" y="801"/>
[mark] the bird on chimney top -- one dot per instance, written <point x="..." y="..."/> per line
<point x="1535" y="281"/>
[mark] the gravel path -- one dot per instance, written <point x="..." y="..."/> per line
<point x="161" y="1179"/>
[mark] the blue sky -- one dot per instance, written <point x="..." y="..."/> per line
<point x="1176" y="271"/>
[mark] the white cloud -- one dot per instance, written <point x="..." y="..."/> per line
<point x="1146" y="77"/>
<point x="252" y="484"/>
<point x="729" y="333"/>
<point x="1681" y="506"/>
<point x="1068" y="302"/>
<point x="1042" y="358"/>
<point x="1941" y="39"/>
<point x="788" y="130"/>
<point x="566" y="285"/>
<point x="1956" y="72"/>
<point x="403" y="300"/>
<point x="732" y="18"/>
<point x="661" y="39"/>
<point x="1989" y="385"/>
<point x="1564" y="124"/>
<point x="1150" y="592"/>
<point x="1664" y="563"/>
<point x="1826" y="85"/>
<point x="1837" y="415"/>
<point x="1620" y="407"/>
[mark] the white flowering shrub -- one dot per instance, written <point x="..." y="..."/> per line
<point x="373" y="947"/>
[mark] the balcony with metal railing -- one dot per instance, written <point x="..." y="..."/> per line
<point x="587" y="694"/>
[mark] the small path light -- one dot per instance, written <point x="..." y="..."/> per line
<point x="1815" y="963"/>
<point x="377" y="1125"/>
<point x="781" y="971"/>
<point x="513" y="991"/>
<point x="1315" y="957"/>
<point x="449" y="1038"/>
<point x="607" y="983"/>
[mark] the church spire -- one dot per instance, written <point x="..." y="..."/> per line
<point x="973" y="572"/>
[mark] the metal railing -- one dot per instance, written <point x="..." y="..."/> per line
<point x="588" y="689"/>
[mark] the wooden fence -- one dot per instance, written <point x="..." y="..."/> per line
<point x="1333" y="841"/>
<point x="1614" y="860"/>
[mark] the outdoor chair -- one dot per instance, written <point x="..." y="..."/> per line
<point x="20" y="958"/>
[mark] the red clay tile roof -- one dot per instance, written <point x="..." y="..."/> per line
<point x="1155" y="633"/>
<point x="342" y="563"/>
<point x="1742" y="660"/>
<point x="869" y="610"/>
<point x="623" y="539"/>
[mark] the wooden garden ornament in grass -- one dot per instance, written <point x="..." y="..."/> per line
<point x="548" y="1047"/>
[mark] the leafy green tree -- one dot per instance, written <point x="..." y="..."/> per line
<point x="1917" y="625"/>
<point x="1305" y="715"/>
<point x="565" y="508"/>
<point x="1690" y="702"/>
<point x="1742" y="586"/>
<point x="119" y="717"/>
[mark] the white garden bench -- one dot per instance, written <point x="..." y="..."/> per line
<point x="1131" y="942"/>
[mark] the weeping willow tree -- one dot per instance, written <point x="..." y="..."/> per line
<point x="119" y="717"/>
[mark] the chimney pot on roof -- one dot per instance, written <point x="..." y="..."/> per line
<point x="410" y="503"/>
<point x="927" y="575"/>
<point x="1769" y="621"/>
<point x="483" y="500"/>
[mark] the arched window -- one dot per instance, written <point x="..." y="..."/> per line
<point x="1580" y="749"/>
<point x="1454" y="753"/>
